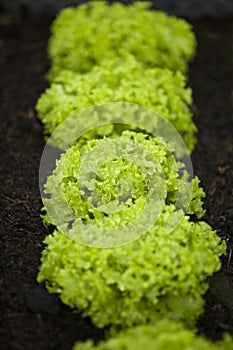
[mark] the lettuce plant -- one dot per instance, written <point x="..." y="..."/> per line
<point x="119" y="181"/>
<point x="120" y="80"/>
<point x="163" y="335"/>
<point x="159" y="275"/>
<point x="82" y="37"/>
<point x="162" y="273"/>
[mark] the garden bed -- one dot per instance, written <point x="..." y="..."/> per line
<point x="31" y="318"/>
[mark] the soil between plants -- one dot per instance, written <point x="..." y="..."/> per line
<point x="30" y="317"/>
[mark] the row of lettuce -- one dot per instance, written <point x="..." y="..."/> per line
<point x="148" y="293"/>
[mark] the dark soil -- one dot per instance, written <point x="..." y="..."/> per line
<point x="197" y="8"/>
<point x="30" y="317"/>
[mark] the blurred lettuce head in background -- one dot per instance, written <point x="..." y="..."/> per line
<point x="83" y="36"/>
<point x="162" y="335"/>
<point x="120" y="80"/>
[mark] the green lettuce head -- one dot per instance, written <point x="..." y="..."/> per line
<point x="118" y="80"/>
<point x="163" y="335"/>
<point x="121" y="181"/>
<point x="82" y="37"/>
<point x="159" y="275"/>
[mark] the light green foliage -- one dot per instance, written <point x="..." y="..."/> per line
<point x="120" y="81"/>
<point x="112" y="179"/>
<point x="163" y="335"/>
<point x="161" y="274"/>
<point x="196" y="205"/>
<point x="82" y="37"/>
